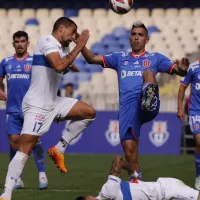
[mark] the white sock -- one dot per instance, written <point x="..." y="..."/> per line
<point x="73" y="130"/>
<point x="15" y="169"/>
<point x="42" y="175"/>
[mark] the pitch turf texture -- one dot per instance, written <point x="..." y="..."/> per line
<point x="87" y="173"/>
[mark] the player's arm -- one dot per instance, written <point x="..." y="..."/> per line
<point x="181" y="95"/>
<point x="3" y="95"/>
<point x="61" y="64"/>
<point x="180" y="68"/>
<point x="92" y="58"/>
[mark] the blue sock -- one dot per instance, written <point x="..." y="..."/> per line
<point x="197" y="163"/>
<point x="39" y="157"/>
<point x="140" y="175"/>
<point x="12" y="153"/>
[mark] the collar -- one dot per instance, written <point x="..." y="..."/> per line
<point x="58" y="43"/>
<point x="137" y="56"/>
<point x="21" y="59"/>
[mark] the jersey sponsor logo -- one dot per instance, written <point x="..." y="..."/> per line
<point x="74" y="141"/>
<point x="197" y="86"/>
<point x="112" y="134"/>
<point x="39" y="117"/>
<point x="27" y="67"/>
<point x="146" y="63"/>
<point x="124" y="73"/>
<point x="17" y="76"/>
<point x="159" y="134"/>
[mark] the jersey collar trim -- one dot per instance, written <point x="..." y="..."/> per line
<point x="138" y="56"/>
<point x="21" y="59"/>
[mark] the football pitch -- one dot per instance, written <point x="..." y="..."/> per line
<point x="87" y="173"/>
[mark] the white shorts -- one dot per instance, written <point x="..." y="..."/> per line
<point x="37" y="121"/>
<point x="175" y="189"/>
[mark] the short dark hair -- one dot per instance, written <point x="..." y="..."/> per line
<point x="19" y="34"/>
<point x="62" y="21"/>
<point x="80" y="198"/>
<point x="69" y="84"/>
<point x="140" y="25"/>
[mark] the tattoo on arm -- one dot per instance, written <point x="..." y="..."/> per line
<point x="116" y="167"/>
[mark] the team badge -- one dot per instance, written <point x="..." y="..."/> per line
<point x="112" y="134"/>
<point x="196" y="127"/>
<point x="125" y="62"/>
<point x="159" y="134"/>
<point x="146" y="63"/>
<point x="27" y="67"/>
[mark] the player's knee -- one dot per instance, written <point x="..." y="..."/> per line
<point x="91" y="113"/>
<point x="14" y="144"/>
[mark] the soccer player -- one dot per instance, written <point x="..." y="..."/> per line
<point x="162" y="189"/>
<point x="41" y="105"/>
<point x="17" y="69"/>
<point x="138" y="89"/>
<point x="193" y="78"/>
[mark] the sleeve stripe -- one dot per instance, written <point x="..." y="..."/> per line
<point x="104" y="62"/>
<point x="171" y="67"/>
<point x="183" y="84"/>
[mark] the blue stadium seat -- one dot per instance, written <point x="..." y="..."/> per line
<point x="99" y="51"/>
<point x="83" y="76"/>
<point x="109" y="37"/>
<point x="32" y="21"/>
<point x="69" y="78"/>
<point x="71" y="12"/>
<point x="94" y="68"/>
<point x="153" y="29"/>
<point x="119" y="31"/>
<point x="97" y="45"/>
<point x="79" y="61"/>
<point x="124" y="43"/>
<point x="113" y="49"/>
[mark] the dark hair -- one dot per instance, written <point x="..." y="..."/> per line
<point x="80" y="198"/>
<point x="69" y="84"/>
<point x="140" y="25"/>
<point x="62" y="21"/>
<point x="19" y="34"/>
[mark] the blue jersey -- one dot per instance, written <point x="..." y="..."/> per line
<point x="18" y="74"/>
<point x="193" y="78"/>
<point x="130" y="69"/>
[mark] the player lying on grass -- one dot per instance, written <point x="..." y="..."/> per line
<point x="162" y="189"/>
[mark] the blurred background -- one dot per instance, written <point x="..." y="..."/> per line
<point x="173" y="30"/>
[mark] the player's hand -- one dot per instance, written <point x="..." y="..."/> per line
<point x="82" y="39"/>
<point x="180" y="114"/>
<point x="183" y="64"/>
<point x="73" y="68"/>
<point x="3" y="95"/>
<point x="77" y="36"/>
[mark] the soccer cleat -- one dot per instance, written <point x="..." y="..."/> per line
<point x="43" y="183"/>
<point x="58" y="159"/>
<point x="197" y="183"/>
<point x="19" y="184"/>
<point x="148" y="97"/>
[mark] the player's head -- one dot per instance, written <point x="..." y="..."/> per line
<point x="139" y="37"/>
<point x="20" y="42"/>
<point x="86" y="198"/>
<point x="69" y="89"/>
<point x="65" y="30"/>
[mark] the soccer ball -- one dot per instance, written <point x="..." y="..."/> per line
<point x="121" y="6"/>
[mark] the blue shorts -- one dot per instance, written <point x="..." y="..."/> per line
<point x="14" y="123"/>
<point x="194" y="121"/>
<point x="133" y="117"/>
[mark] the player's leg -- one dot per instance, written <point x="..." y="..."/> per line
<point x="81" y="116"/>
<point x="16" y="166"/>
<point x="39" y="157"/>
<point x="148" y="89"/>
<point x="195" y="129"/>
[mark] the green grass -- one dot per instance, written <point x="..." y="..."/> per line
<point x="87" y="173"/>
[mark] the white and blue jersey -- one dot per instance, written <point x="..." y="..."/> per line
<point x="130" y="69"/>
<point x="18" y="74"/>
<point x="193" y="78"/>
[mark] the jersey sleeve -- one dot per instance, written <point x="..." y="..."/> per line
<point x="185" y="81"/>
<point x="111" y="60"/>
<point x="110" y="189"/>
<point x="164" y="64"/>
<point x="46" y="46"/>
<point x="2" y="69"/>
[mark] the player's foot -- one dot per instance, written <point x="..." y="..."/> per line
<point x="4" y="197"/>
<point x="19" y="184"/>
<point x="43" y="183"/>
<point x="148" y="97"/>
<point x="58" y="159"/>
<point x="197" y="183"/>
